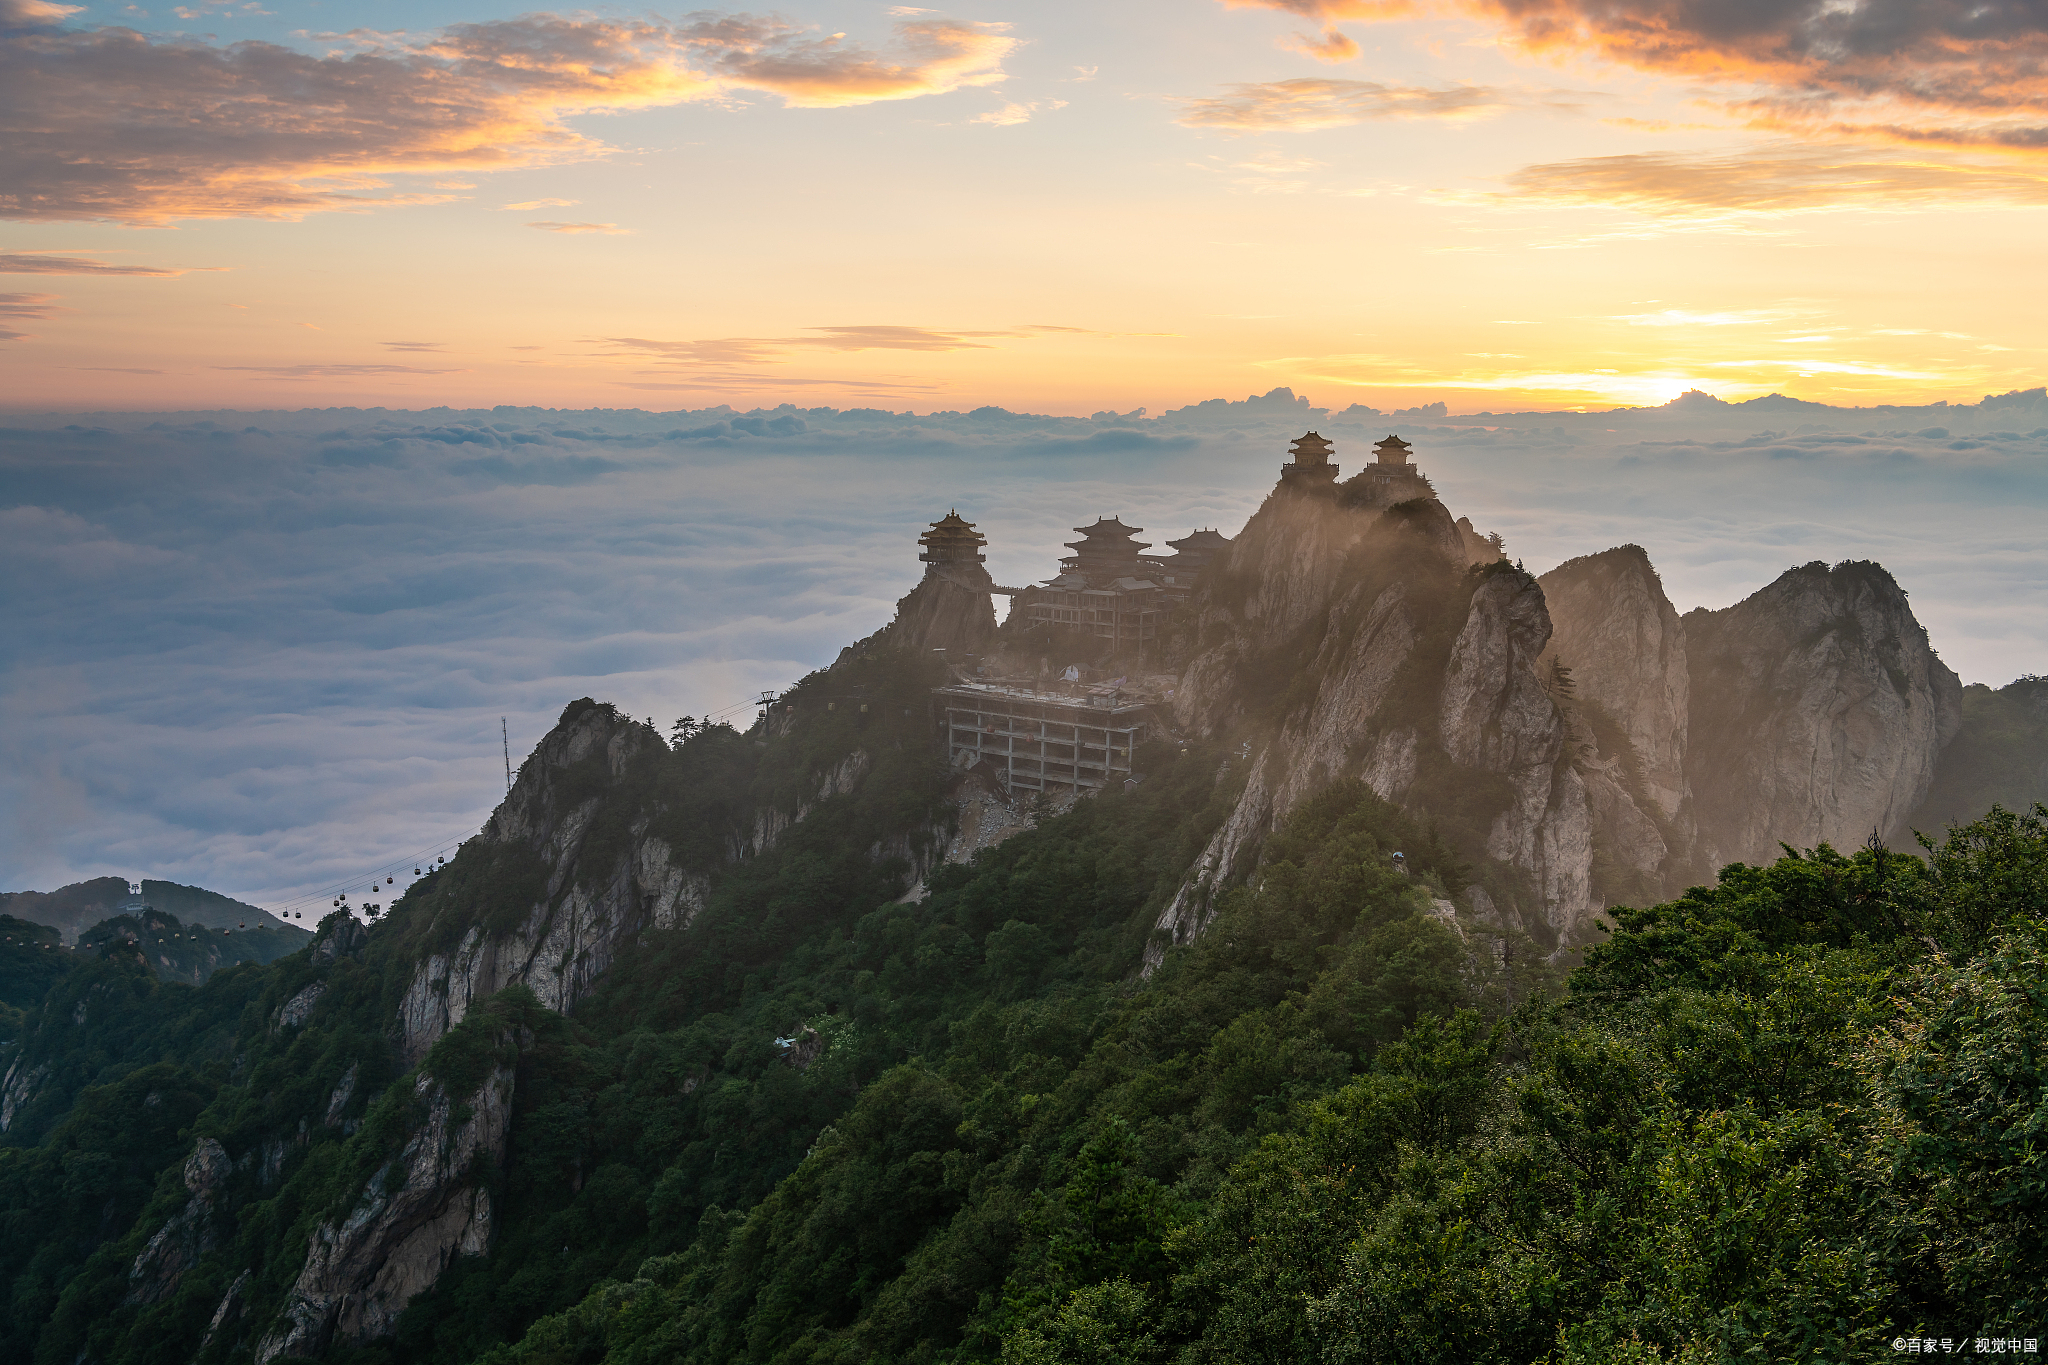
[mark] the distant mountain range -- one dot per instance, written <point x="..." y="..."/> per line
<point x="71" y="910"/>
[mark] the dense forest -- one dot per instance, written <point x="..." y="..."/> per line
<point x="1793" y="1115"/>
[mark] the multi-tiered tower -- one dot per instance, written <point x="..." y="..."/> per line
<point x="1310" y="468"/>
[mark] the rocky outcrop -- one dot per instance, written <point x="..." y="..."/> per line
<point x="419" y="1212"/>
<point x="19" y="1087"/>
<point x="1621" y="639"/>
<point x="190" y="1233"/>
<point x="1395" y="663"/>
<point x="1818" y="712"/>
<point x="295" y="1011"/>
<point x="1496" y="717"/>
<point x="580" y="916"/>
<point x="952" y="608"/>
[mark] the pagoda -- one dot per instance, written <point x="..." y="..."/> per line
<point x="953" y="540"/>
<point x="1193" y="551"/>
<point x="1390" y="478"/>
<point x="1105" y="552"/>
<point x="1311" y="467"/>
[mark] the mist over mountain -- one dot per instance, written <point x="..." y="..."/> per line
<point x="223" y="604"/>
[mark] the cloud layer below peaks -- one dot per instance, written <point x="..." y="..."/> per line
<point x="97" y="123"/>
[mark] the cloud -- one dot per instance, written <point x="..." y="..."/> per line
<point x="1891" y="70"/>
<point x="100" y="123"/>
<point x="290" y="635"/>
<point x="1014" y="113"/>
<point x="1307" y="103"/>
<point x="1333" y="46"/>
<point x="609" y="229"/>
<point x="865" y="337"/>
<point x="531" y="204"/>
<point x="1775" y="180"/>
<point x="330" y="371"/>
<point x="45" y="263"/>
<point x="413" y="346"/>
<point x="26" y="306"/>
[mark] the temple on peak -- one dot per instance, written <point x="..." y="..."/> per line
<point x="1310" y="467"/>
<point x="953" y="540"/>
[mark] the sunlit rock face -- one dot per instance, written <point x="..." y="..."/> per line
<point x="1818" y="711"/>
<point x="1346" y="641"/>
<point x="1617" y="662"/>
<point x="1618" y="634"/>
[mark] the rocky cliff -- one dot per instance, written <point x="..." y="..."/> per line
<point x="1818" y="712"/>
<point x="554" y="916"/>
<point x="1343" y="641"/>
<point x="427" y="1205"/>
<point x="952" y="607"/>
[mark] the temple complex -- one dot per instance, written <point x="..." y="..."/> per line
<point x="1056" y="726"/>
<point x="1101" y="589"/>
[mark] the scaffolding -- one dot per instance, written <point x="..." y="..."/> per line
<point x="1043" y="741"/>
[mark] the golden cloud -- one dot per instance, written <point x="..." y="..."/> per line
<point x="1934" y="70"/>
<point x="1786" y="179"/>
<point x="1307" y="103"/>
<point x="610" y="229"/>
<point x="49" y="263"/>
<point x="109" y="123"/>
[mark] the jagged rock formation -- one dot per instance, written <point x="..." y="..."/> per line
<point x="416" y="1214"/>
<point x="1617" y="661"/>
<point x="1354" y="642"/>
<point x="571" y="918"/>
<point x="1617" y="632"/>
<point x="1818" y="713"/>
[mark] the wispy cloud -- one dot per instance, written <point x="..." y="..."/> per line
<point x="1308" y="103"/>
<point x="1015" y="112"/>
<point x="609" y="229"/>
<point x="97" y="122"/>
<point x="49" y="263"/>
<point x="1776" y="180"/>
<point x="330" y="371"/>
<point x="413" y="346"/>
<point x="1889" y="70"/>
<point x="27" y="307"/>
<point x="529" y="205"/>
<point x="1333" y="45"/>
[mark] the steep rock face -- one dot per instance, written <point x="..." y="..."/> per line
<point x="189" y="1235"/>
<point x="952" y="607"/>
<point x="1818" y="711"/>
<point x="1497" y="717"/>
<point x="420" y="1211"/>
<point x="1394" y="663"/>
<point x="1276" y="578"/>
<point x="1617" y="632"/>
<point x="570" y="931"/>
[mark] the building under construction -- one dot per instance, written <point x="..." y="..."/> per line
<point x="1033" y="741"/>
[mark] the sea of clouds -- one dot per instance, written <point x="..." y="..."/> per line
<point x="267" y="652"/>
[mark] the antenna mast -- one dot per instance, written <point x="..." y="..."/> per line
<point x="505" y="738"/>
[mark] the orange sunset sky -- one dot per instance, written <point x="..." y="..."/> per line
<point x="1060" y="207"/>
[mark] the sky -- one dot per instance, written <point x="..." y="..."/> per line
<point x="1060" y="208"/>
<point x="371" y="373"/>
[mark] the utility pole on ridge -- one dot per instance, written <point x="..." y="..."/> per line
<point x="505" y="738"/>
